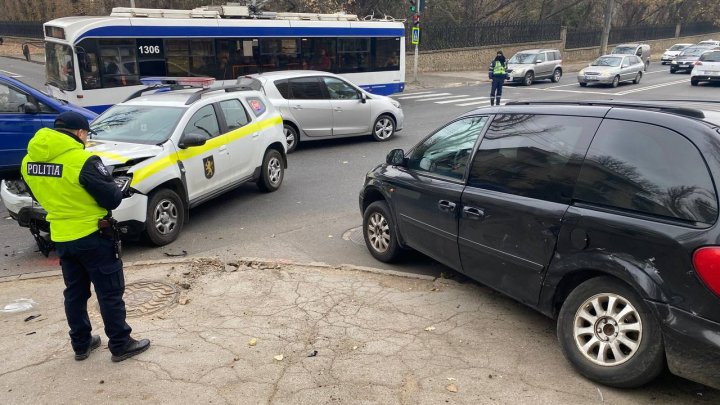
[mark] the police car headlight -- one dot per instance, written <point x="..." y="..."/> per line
<point x="123" y="183"/>
<point x="395" y="103"/>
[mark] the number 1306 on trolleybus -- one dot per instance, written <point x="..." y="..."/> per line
<point x="96" y="62"/>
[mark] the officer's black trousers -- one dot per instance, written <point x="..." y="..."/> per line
<point x="86" y="260"/>
<point x="496" y="90"/>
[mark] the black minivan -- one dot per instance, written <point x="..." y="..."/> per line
<point x="603" y="215"/>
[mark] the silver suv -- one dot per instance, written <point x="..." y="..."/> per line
<point x="527" y="66"/>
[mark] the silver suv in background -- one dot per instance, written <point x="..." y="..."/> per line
<point x="527" y="66"/>
<point x="320" y="105"/>
<point x="642" y="51"/>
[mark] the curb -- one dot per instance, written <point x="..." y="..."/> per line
<point x="23" y="59"/>
<point x="248" y="261"/>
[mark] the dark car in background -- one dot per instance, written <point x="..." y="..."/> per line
<point x="602" y="215"/>
<point x="685" y="61"/>
<point x="23" y="111"/>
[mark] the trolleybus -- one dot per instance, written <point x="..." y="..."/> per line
<point x="96" y="62"/>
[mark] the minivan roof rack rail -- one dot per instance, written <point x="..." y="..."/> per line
<point x="688" y="112"/>
<point x="198" y="94"/>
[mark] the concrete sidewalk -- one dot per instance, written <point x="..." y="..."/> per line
<point x="254" y="331"/>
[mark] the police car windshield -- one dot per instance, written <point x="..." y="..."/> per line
<point x="523" y="58"/>
<point x="148" y="125"/>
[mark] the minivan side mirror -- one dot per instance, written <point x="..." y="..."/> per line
<point x="192" y="139"/>
<point x="363" y="97"/>
<point x="396" y="157"/>
<point x="29" y="108"/>
<point x="538" y="61"/>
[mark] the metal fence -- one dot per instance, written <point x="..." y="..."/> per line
<point x="640" y="33"/>
<point x="583" y="38"/>
<point x="25" y="29"/>
<point x="699" y="28"/>
<point x="444" y="36"/>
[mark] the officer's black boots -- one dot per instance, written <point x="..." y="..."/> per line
<point x="132" y="348"/>
<point x="497" y="100"/>
<point x="94" y="344"/>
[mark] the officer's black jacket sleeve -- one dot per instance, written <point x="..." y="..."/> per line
<point x="98" y="181"/>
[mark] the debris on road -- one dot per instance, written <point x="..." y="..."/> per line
<point x="279" y="357"/>
<point x="313" y="353"/>
<point x="452" y="388"/>
<point x="181" y="254"/>
<point x="31" y="317"/>
<point x="430" y="328"/>
<point x="252" y="342"/>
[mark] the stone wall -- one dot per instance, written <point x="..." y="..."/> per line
<point x="478" y="58"/>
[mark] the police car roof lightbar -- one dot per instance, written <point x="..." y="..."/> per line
<point x="203" y="82"/>
<point x="159" y="89"/>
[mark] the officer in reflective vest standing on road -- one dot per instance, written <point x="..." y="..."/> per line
<point x="77" y="191"/>
<point x="497" y="74"/>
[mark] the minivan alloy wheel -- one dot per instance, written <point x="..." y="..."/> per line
<point x="607" y="329"/>
<point x="378" y="232"/>
<point x="291" y="138"/>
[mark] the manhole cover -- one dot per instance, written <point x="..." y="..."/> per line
<point x="355" y="235"/>
<point x="146" y="297"/>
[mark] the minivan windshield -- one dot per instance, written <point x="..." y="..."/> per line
<point x="607" y="61"/>
<point x="523" y="58"/>
<point x="624" y="50"/>
<point x="148" y="125"/>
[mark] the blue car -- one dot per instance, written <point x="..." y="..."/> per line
<point x="24" y="110"/>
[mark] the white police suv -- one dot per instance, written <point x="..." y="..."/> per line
<point x="174" y="149"/>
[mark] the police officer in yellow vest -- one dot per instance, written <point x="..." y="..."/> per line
<point x="497" y="74"/>
<point x="77" y="191"/>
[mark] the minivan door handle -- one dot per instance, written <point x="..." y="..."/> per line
<point x="297" y="107"/>
<point x="446" y="206"/>
<point x="473" y="213"/>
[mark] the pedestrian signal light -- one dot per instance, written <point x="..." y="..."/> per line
<point x="413" y="6"/>
<point x="416" y="20"/>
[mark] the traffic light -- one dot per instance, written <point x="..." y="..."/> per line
<point x="416" y="20"/>
<point x="413" y="6"/>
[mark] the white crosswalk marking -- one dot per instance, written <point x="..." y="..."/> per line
<point x="423" y="96"/>
<point x="411" y="94"/>
<point x="461" y="100"/>
<point x="440" y="98"/>
<point x="11" y="74"/>
<point x="475" y="103"/>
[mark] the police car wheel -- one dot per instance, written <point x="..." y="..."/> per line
<point x="165" y="217"/>
<point x="272" y="171"/>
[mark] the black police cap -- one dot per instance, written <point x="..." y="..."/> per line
<point x="71" y="120"/>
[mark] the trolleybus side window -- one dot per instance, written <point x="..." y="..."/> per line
<point x="185" y="57"/>
<point x="87" y="54"/>
<point x="386" y="53"/>
<point x="118" y="62"/>
<point x="353" y="55"/>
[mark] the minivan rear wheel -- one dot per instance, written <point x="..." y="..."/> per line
<point x="609" y="335"/>
<point x="379" y="232"/>
<point x="694" y="82"/>
<point x="383" y="128"/>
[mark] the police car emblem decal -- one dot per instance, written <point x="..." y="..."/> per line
<point x="209" y="165"/>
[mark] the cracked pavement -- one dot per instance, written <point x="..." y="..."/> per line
<point x="380" y="338"/>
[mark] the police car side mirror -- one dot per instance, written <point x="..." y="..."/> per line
<point x="396" y="157"/>
<point x="192" y="139"/>
<point x="29" y="108"/>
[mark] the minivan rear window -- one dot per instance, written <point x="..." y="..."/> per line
<point x="647" y="169"/>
